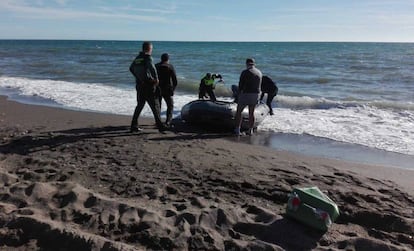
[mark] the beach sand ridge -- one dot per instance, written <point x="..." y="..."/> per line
<point x="80" y="181"/>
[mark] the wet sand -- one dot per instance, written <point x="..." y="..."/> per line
<point x="322" y="147"/>
<point x="80" y="181"/>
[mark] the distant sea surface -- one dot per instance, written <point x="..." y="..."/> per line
<point x="358" y="93"/>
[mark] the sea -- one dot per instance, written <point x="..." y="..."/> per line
<point x="353" y="99"/>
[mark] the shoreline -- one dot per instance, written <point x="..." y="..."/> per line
<point x="313" y="146"/>
<point x="82" y="178"/>
<point x="296" y="144"/>
<point x="308" y="145"/>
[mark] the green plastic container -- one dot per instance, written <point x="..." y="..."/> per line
<point x="312" y="207"/>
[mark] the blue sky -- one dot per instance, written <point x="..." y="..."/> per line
<point x="213" y="20"/>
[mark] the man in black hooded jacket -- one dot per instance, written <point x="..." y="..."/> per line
<point x="168" y="83"/>
<point x="269" y="87"/>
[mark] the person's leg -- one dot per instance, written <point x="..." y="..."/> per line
<point x="269" y="100"/>
<point x="138" y="108"/>
<point x="239" y="118"/>
<point x="160" y="100"/>
<point x="211" y="93"/>
<point x="155" y="108"/>
<point x="137" y="112"/>
<point x="251" y="118"/>
<point x="201" y="91"/>
<point x="170" y="106"/>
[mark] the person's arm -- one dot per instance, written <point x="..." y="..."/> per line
<point x="241" y="82"/>
<point x="214" y="76"/>
<point x="174" y="78"/>
<point x="152" y="71"/>
<point x="131" y="68"/>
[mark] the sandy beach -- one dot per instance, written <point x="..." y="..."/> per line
<point x="72" y="180"/>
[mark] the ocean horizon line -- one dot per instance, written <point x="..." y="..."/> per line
<point x="206" y="41"/>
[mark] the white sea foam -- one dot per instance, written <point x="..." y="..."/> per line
<point x="382" y="129"/>
<point x="368" y="124"/>
<point x="86" y="96"/>
<point x="304" y="102"/>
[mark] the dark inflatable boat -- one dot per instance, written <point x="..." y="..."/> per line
<point x="220" y="114"/>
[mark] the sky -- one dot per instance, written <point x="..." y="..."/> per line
<point x="212" y="20"/>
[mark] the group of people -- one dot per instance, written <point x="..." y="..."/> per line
<point x="155" y="82"/>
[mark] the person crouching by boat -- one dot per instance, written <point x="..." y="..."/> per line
<point x="270" y="88"/>
<point x="168" y="83"/>
<point x="207" y="86"/>
<point x="235" y="92"/>
<point x="248" y="95"/>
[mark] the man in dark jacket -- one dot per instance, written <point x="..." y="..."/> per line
<point x="146" y="79"/>
<point x="269" y="87"/>
<point x="168" y="83"/>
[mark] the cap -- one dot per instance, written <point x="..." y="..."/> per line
<point x="250" y="61"/>
<point x="165" y="57"/>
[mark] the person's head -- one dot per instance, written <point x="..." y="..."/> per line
<point x="165" y="57"/>
<point x="147" y="47"/>
<point x="208" y="75"/>
<point x="250" y="62"/>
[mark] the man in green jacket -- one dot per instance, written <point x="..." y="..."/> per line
<point x="207" y="86"/>
<point x="146" y="79"/>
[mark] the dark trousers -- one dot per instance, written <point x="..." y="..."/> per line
<point x="269" y="100"/>
<point x="170" y="106"/>
<point x="147" y="95"/>
<point x="206" y="89"/>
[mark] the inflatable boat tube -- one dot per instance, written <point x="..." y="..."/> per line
<point x="220" y="114"/>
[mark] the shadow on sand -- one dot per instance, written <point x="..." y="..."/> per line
<point x="37" y="142"/>
<point x="46" y="140"/>
<point x="283" y="232"/>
